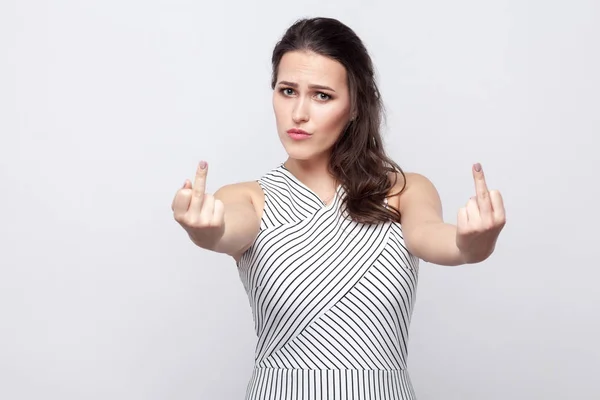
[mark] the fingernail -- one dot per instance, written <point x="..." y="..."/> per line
<point x="202" y="164"/>
<point x="478" y="167"/>
<point x="185" y="183"/>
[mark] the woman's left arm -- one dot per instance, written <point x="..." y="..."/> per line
<point x="428" y="237"/>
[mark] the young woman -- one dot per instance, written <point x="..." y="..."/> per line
<point x="327" y="243"/>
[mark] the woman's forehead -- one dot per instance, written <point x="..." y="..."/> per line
<point x="308" y="68"/>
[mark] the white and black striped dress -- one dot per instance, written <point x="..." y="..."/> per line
<point x="331" y="299"/>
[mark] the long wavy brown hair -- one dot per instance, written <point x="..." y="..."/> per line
<point x="358" y="160"/>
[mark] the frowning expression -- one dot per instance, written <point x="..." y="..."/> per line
<point x="311" y="95"/>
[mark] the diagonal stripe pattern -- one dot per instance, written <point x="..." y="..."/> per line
<point x="331" y="299"/>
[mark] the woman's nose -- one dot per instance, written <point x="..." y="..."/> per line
<point x="300" y="113"/>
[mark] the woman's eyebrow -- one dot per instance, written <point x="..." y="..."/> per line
<point x="295" y="85"/>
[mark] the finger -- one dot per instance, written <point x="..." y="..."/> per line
<point x="181" y="202"/>
<point x="473" y="212"/>
<point x="199" y="186"/>
<point x="174" y="198"/>
<point x="481" y="191"/>
<point x="208" y="208"/>
<point x="462" y="220"/>
<point x="218" y="214"/>
<point x="498" y="206"/>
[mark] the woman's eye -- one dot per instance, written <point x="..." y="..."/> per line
<point x="291" y="92"/>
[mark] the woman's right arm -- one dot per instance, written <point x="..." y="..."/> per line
<point x="226" y="222"/>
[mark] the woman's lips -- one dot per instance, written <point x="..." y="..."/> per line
<point x="298" y="134"/>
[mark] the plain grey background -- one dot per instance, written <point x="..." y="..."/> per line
<point x="106" y="107"/>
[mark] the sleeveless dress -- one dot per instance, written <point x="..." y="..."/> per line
<point x="331" y="299"/>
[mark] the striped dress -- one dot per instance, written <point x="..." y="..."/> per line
<point x="331" y="299"/>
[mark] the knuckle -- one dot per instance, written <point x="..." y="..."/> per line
<point x="487" y="223"/>
<point x="185" y="221"/>
<point x="200" y="221"/>
<point x="214" y="224"/>
<point x="191" y="220"/>
<point x="482" y="227"/>
<point x="471" y="231"/>
<point x="197" y="225"/>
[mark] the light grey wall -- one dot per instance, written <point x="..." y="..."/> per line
<point x="107" y="106"/>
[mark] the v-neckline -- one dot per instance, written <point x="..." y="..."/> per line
<point x="312" y="192"/>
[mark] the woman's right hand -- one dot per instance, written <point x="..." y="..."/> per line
<point x="199" y="213"/>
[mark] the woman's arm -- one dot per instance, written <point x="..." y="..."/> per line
<point x="226" y="222"/>
<point x="428" y="237"/>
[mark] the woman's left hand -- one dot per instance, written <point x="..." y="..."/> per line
<point x="480" y="221"/>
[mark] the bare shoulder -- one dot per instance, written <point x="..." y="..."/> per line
<point x="242" y="191"/>
<point x="411" y="185"/>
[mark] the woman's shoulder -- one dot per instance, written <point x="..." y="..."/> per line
<point x="405" y="184"/>
<point x="254" y="190"/>
<point x="249" y="189"/>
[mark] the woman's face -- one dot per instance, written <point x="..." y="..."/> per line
<point x="311" y="94"/>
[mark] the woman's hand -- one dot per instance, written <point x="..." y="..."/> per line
<point x="198" y="212"/>
<point x="480" y="221"/>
